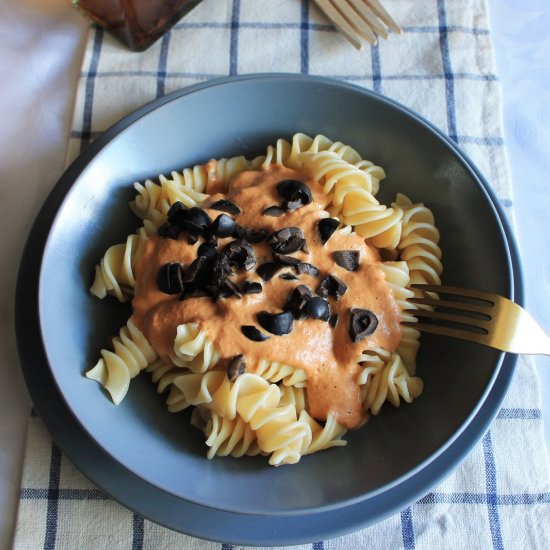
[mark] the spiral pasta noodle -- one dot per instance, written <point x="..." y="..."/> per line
<point x="132" y="353"/>
<point x="115" y="273"/>
<point x="225" y="437"/>
<point x="385" y="378"/>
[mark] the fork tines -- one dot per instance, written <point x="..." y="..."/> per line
<point x="357" y="19"/>
<point x="469" y="312"/>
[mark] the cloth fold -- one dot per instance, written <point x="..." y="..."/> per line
<point x="442" y="67"/>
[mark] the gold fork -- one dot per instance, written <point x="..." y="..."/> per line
<point x="359" y="18"/>
<point x="479" y="317"/>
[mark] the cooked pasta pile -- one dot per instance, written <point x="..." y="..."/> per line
<point x="250" y="402"/>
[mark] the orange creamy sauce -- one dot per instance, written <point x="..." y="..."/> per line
<point x="326" y="354"/>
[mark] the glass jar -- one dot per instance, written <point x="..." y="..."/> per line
<point x="136" y="23"/>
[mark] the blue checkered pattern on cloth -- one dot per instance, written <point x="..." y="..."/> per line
<point x="442" y="67"/>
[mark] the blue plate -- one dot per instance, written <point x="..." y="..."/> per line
<point x="397" y="456"/>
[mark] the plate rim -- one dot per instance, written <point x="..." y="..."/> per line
<point x="63" y="186"/>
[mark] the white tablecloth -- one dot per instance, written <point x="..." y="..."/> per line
<point x="40" y="53"/>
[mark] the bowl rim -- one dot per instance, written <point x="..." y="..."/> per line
<point x="62" y="189"/>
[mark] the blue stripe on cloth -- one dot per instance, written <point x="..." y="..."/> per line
<point x="29" y="493"/>
<point x="320" y="27"/>
<point x="520" y="414"/>
<point x="304" y="38"/>
<point x="318" y="546"/>
<point x="234" y="39"/>
<point x="407" y="529"/>
<point x="53" y="499"/>
<point x="203" y="76"/>
<point x="447" y="70"/>
<point x="449" y="28"/>
<point x="481" y="498"/>
<point x="163" y="61"/>
<point x="137" y="532"/>
<point x="497" y="141"/>
<point x="227" y="547"/>
<point x="89" y="90"/>
<point x="376" y="72"/>
<point x="491" y="487"/>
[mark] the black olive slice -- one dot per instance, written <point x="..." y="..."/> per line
<point x="169" y="231"/>
<point x="268" y="270"/>
<point x="275" y="211"/>
<point x="236" y="367"/>
<point x="288" y="277"/>
<point x="239" y="254"/>
<point x="303" y="268"/>
<point x="224" y="226"/>
<point x="332" y="286"/>
<point x="195" y="219"/>
<point x="287" y="240"/>
<point x="300" y="295"/>
<point x="316" y="308"/>
<point x="224" y="205"/>
<point x="276" y="323"/>
<point x="170" y="278"/>
<point x="296" y="193"/>
<point x="252" y="333"/>
<point x="333" y="320"/>
<point x="348" y="259"/>
<point x="229" y="288"/>
<point x="326" y="227"/>
<point x="193" y="272"/>
<point x="176" y="212"/>
<point x="285" y="260"/>
<point x="252" y="287"/>
<point x="363" y="323"/>
<point x="207" y="250"/>
<point x="254" y="235"/>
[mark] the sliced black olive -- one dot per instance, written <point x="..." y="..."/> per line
<point x="275" y="211"/>
<point x="295" y="193"/>
<point x="268" y="270"/>
<point x="333" y="320"/>
<point x="224" y="205"/>
<point x="348" y="259"/>
<point x="169" y="231"/>
<point x="304" y="268"/>
<point x="170" y="278"/>
<point x="326" y="227"/>
<point x="285" y="260"/>
<point x="195" y="219"/>
<point x="176" y="212"/>
<point x="254" y="235"/>
<point x="208" y="250"/>
<point x="236" y="367"/>
<point x="199" y="271"/>
<point x="252" y="333"/>
<point x="239" y="254"/>
<point x="212" y="239"/>
<point x="316" y="308"/>
<point x="229" y="288"/>
<point x="288" y="277"/>
<point x="224" y="226"/>
<point x="276" y="323"/>
<point x="300" y="295"/>
<point x="287" y="240"/>
<point x="192" y="239"/>
<point x="252" y="287"/>
<point x="363" y="323"/>
<point x="332" y="286"/>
